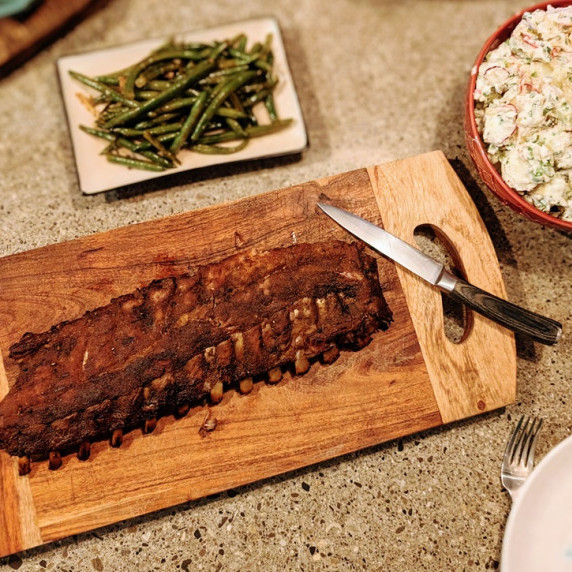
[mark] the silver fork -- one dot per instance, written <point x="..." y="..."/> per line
<point x="518" y="457"/>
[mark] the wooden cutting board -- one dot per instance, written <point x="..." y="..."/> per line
<point x="23" y="36"/>
<point x="409" y="378"/>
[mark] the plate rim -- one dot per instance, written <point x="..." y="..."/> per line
<point x="537" y="473"/>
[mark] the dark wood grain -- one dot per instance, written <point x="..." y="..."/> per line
<point x="520" y="320"/>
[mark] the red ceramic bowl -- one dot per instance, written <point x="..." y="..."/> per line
<point x="477" y="149"/>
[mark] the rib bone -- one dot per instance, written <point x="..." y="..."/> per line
<point x="84" y="451"/>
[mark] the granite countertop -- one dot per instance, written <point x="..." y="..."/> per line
<point x="377" y="81"/>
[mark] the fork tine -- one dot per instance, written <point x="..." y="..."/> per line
<point x="532" y="437"/>
<point x="510" y="446"/>
<point x="520" y="445"/>
<point x="518" y="458"/>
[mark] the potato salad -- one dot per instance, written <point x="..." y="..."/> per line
<point x="523" y="100"/>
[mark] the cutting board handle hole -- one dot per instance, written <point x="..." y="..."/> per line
<point x="457" y="318"/>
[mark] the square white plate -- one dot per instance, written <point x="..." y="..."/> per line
<point x="96" y="174"/>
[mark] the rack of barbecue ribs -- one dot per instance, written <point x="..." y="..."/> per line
<point x="182" y="340"/>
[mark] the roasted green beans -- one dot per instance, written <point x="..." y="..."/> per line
<point x="185" y="96"/>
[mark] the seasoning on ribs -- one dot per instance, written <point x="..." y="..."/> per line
<point x="181" y="339"/>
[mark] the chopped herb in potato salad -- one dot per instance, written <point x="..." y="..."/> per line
<point x="523" y="108"/>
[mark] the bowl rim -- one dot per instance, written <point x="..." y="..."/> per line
<point x="511" y="196"/>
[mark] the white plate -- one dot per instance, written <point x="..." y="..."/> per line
<point x="96" y="174"/>
<point x="538" y="534"/>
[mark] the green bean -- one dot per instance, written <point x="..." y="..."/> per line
<point x="192" y="92"/>
<point x="218" y="50"/>
<point x="159" y="84"/>
<point x="267" y="44"/>
<point x="217" y="149"/>
<point x="238" y="38"/>
<point x="107" y="80"/>
<point x="111" y="109"/>
<point x="104" y="89"/>
<point x="154" y="71"/>
<point x="174" y="105"/>
<point x="255" y="87"/>
<point x="109" y="148"/>
<point x="158" y="130"/>
<point x="235" y="126"/>
<point x="157" y="120"/>
<point x="134" y="163"/>
<point x="231" y="112"/>
<point x="263" y="65"/>
<point x="256" y="97"/>
<point x="197" y="46"/>
<point x="226" y="89"/>
<point x="270" y="107"/>
<point x="162" y="150"/>
<point x="144" y="145"/>
<point x="256" y="48"/>
<point x="222" y="73"/>
<point x="98" y="133"/>
<point x="242" y="58"/>
<point x="241" y="43"/>
<point x="251" y="131"/>
<point x="215" y="125"/>
<point x="178" y="86"/>
<point x="236" y="103"/>
<point x="167" y="163"/>
<point x="211" y="82"/>
<point x="146" y="95"/>
<point x="189" y="123"/>
<point x="227" y="63"/>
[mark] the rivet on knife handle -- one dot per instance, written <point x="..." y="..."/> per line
<point x="542" y="329"/>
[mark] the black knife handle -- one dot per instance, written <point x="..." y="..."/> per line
<point x="539" y="328"/>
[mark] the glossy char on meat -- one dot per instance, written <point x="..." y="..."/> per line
<point x="179" y="340"/>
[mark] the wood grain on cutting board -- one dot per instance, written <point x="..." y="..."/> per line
<point x="408" y="379"/>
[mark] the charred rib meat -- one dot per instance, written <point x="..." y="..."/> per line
<point x="181" y="339"/>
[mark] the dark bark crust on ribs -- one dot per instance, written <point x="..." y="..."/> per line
<point x="168" y="344"/>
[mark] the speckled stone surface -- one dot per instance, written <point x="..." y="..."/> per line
<point x="377" y="81"/>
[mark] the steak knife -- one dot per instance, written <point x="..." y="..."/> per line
<point x="539" y="328"/>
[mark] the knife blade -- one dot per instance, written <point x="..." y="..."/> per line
<point x="540" y="328"/>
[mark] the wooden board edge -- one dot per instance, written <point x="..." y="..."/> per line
<point x="462" y="388"/>
<point x="19" y="528"/>
<point x="18" y="522"/>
